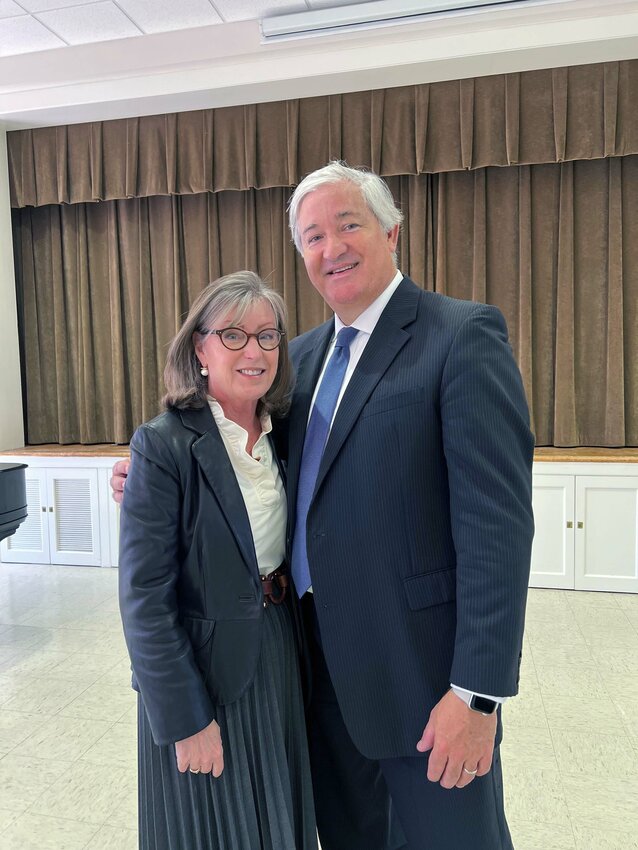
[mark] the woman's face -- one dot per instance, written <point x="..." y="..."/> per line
<point x="240" y="378"/>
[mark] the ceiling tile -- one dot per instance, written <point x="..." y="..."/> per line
<point x="49" y="5"/>
<point x="9" y="9"/>
<point x="166" y="15"/>
<point x="245" y="10"/>
<point x="86" y="24"/>
<point x="25" y="35"/>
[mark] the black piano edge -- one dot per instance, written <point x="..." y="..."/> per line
<point x="13" y="498"/>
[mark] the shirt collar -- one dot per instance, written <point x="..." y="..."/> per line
<point x="232" y="430"/>
<point x="367" y="321"/>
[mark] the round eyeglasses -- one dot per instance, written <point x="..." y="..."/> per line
<point x="236" y="338"/>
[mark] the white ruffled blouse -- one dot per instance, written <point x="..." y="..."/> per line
<point x="261" y="487"/>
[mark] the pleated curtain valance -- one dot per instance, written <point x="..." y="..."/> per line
<point x="533" y="117"/>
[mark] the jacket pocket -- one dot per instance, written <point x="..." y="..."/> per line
<point x="431" y="588"/>
<point x="200" y="633"/>
<point x="392" y="402"/>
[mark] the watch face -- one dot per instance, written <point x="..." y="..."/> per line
<point x="487" y="706"/>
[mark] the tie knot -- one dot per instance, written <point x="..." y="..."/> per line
<point x="345" y="337"/>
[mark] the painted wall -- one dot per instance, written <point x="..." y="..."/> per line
<point x="11" y="427"/>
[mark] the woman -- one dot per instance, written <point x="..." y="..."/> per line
<point x="208" y="622"/>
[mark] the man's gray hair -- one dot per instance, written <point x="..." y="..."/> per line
<point x="375" y="191"/>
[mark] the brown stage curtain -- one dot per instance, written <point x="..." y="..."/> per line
<point x="556" y="248"/>
<point x="547" y="116"/>
<point x="102" y="289"/>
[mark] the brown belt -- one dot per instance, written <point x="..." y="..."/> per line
<point x="274" y="586"/>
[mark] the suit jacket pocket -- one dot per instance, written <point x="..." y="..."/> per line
<point x="200" y="632"/>
<point x="431" y="588"/>
<point x="395" y="401"/>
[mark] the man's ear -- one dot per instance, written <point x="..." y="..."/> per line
<point x="393" y="237"/>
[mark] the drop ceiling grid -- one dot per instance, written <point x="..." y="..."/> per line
<point x="9" y="9"/>
<point x="100" y="21"/>
<point x="34" y="6"/>
<point x="153" y="16"/>
<point x="24" y="35"/>
<point x="31" y="25"/>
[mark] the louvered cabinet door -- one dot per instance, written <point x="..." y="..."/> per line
<point x="30" y="543"/>
<point x="73" y="517"/>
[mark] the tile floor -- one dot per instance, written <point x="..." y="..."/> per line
<point x="67" y="718"/>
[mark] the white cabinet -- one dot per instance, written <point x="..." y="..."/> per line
<point x="553" y="548"/>
<point x="62" y="526"/>
<point x="586" y="517"/>
<point x="71" y="517"/>
<point x="607" y="533"/>
<point x="30" y="544"/>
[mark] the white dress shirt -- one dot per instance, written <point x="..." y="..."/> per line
<point x="365" y="324"/>
<point x="261" y="487"/>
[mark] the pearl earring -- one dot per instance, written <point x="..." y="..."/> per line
<point x="204" y="372"/>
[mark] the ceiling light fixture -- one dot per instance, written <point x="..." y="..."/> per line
<point x="378" y="13"/>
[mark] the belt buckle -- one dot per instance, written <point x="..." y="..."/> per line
<point x="278" y="579"/>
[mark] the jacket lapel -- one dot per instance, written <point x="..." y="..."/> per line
<point x="281" y="465"/>
<point x="210" y="453"/>
<point x="387" y="340"/>
<point x="307" y="373"/>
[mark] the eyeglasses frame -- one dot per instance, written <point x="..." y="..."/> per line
<point x="220" y="331"/>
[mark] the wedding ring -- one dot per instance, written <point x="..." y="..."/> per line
<point x="471" y="772"/>
<point x="194" y="771"/>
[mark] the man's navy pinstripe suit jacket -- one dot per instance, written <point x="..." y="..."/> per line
<point x="420" y="529"/>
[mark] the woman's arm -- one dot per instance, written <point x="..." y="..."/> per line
<point x="171" y="685"/>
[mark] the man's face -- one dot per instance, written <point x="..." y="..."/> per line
<point x="348" y="256"/>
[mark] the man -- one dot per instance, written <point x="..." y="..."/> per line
<point x="409" y="486"/>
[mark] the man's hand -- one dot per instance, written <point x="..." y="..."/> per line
<point x="459" y="738"/>
<point x="118" y="479"/>
<point x="201" y="753"/>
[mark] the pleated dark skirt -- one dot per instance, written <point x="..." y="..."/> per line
<point x="263" y="799"/>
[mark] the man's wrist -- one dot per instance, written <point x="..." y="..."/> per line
<point x="481" y="703"/>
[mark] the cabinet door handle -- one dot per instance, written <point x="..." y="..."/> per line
<point x="44" y="509"/>
<point x="570" y="524"/>
<point x="580" y="524"/>
<point x="50" y="509"/>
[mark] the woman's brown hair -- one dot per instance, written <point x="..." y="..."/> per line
<point x="232" y="295"/>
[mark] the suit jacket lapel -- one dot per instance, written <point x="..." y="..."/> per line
<point x="388" y="338"/>
<point x="306" y="375"/>
<point x="210" y="453"/>
<point x="281" y="466"/>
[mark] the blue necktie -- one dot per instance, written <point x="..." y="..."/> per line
<point x="316" y="437"/>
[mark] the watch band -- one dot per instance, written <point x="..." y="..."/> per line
<point x="482" y="705"/>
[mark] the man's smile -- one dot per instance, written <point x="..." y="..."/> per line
<point x="342" y="269"/>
